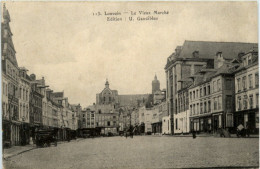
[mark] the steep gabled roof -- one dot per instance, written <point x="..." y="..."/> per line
<point x="207" y="49"/>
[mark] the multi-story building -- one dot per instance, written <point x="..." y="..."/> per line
<point x="160" y="111"/>
<point x="10" y="69"/>
<point x="35" y="104"/>
<point x="165" y="118"/>
<point x="90" y="116"/>
<point x="211" y="97"/>
<point x="189" y="59"/>
<point x="247" y="92"/>
<point x="24" y="93"/>
<point x="63" y="114"/>
<point x="77" y="109"/>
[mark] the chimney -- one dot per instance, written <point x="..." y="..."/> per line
<point x="178" y="51"/>
<point x="218" y="60"/>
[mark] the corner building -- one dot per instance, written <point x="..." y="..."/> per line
<point x="189" y="59"/>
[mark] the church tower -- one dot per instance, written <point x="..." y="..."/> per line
<point x="155" y="85"/>
<point x="107" y="84"/>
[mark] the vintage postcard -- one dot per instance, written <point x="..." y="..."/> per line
<point x="129" y="85"/>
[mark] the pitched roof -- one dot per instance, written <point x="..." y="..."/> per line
<point x="207" y="49"/>
<point x="58" y="94"/>
<point x="126" y="100"/>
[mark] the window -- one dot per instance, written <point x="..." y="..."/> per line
<point x="194" y="109"/>
<point x="108" y="123"/>
<point x="219" y="102"/>
<point x="251" y="101"/>
<point x="256" y="80"/>
<point x="256" y="98"/>
<point x="26" y="95"/>
<point x="214" y="86"/>
<point x="205" y="91"/>
<point x="215" y="103"/>
<point x="3" y="107"/>
<point x="244" y="83"/>
<point x="193" y="94"/>
<point x="201" y="94"/>
<point x="205" y="107"/>
<point x="228" y="102"/>
<point x="209" y="106"/>
<point x="190" y="95"/>
<point x="228" y="84"/>
<point x="99" y="111"/>
<point x="245" y="102"/>
<point x="218" y="85"/>
<point x="208" y="89"/>
<point x="244" y="62"/>
<point x="229" y="120"/>
<point x="249" y="59"/>
<point x="250" y="80"/>
<point x="198" y="108"/>
<point x="190" y="109"/>
<point x="201" y="108"/>
<point x="197" y="93"/>
<point x="238" y="85"/>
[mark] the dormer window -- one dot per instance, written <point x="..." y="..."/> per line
<point x="249" y="59"/>
<point x="195" y="54"/>
<point x="219" y="54"/>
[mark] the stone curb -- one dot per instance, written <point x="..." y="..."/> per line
<point x="21" y="152"/>
<point x="24" y="151"/>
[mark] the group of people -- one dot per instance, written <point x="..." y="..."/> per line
<point x="130" y="132"/>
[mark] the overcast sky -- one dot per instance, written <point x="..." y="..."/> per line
<point x="76" y="51"/>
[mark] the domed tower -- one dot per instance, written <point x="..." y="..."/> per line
<point x="155" y="85"/>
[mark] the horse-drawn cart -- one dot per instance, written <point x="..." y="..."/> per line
<point x="44" y="138"/>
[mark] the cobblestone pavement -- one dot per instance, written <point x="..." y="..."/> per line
<point x="142" y="152"/>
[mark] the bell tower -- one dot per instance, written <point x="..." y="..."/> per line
<point x="155" y="84"/>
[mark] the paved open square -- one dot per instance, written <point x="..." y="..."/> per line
<point x="142" y="152"/>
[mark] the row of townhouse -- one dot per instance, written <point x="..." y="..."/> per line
<point x="207" y="91"/>
<point x="28" y="104"/>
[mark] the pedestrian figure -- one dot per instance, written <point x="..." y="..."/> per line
<point x="247" y="130"/>
<point x="193" y="134"/>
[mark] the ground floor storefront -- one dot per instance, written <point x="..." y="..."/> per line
<point x="15" y="133"/>
<point x="201" y="124"/>
<point x="213" y="123"/>
<point x="181" y="123"/>
<point x="107" y="130"/>
<point x="166" y="125"/>
<point x="249" y="119"/>
<point x="157" y="127"/>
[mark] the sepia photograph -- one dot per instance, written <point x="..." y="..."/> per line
<point x="129" y="85"/>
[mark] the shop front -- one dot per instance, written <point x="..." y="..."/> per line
<point x="218" y="122"/>
<point x="157" y="127"/>
<point x="249" y="119"/>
